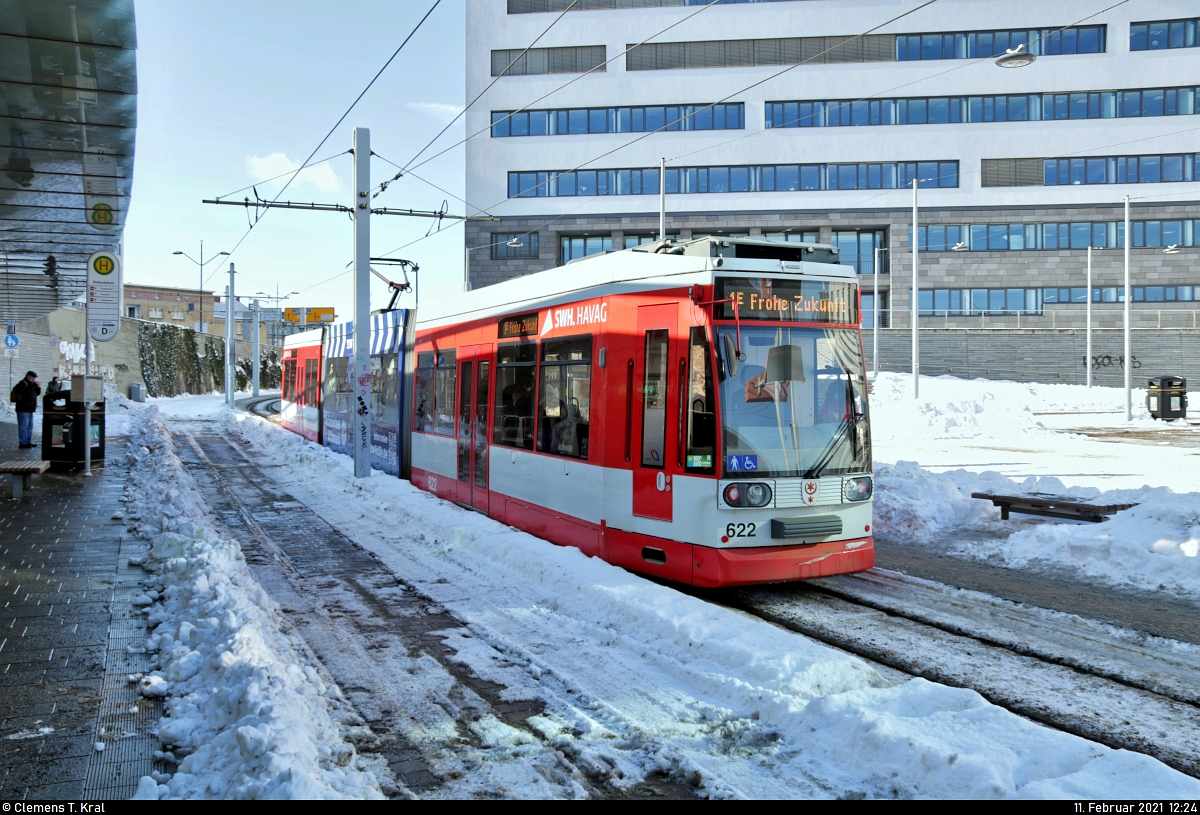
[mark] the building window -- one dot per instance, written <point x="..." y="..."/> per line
<point x="1030" y="107"/>
<point x="506" y="245"/>
<point x="870" y="48"/>
<point x="756" y="178"/>
<point x="811" y="236"/>
<point x="983" y="44"/>
<point x="977" y="302"/>
<point x="857" y="249"/>
<point x="1076" y="235"/>
<point x="868" y="310"/>
<point x="433" y="393"/>
<point x="572" y="60"/>
<point x="516" y="370"/>
<point x="537" y="6"/>
<point x="1050" y="172"/>
<point x="156" y="295"/>
<point x="633" y="239"/>
<point x="132" y="295"/>
<point x="564" y="399"/>
<point x="729" y="116"/>
<point x="156" y="314"/>
<point x="575" y="247"/>
<point x="177" y="314"/>
<point x="1164" y="34"/>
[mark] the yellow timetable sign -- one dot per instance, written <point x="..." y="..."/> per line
<point x="313" y="315"/>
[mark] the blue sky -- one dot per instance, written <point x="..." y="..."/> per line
<point x="232" y="92"/>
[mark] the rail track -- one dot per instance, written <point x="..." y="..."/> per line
<point x="268" y="407"/>
<point x="1116" y="687"/>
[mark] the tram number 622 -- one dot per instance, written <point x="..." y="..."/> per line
<point x="739" y="530"/>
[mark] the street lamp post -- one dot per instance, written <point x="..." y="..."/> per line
<point x="875" y="316"/>
<point x="1087" y="360"/>
<point x="1128" y="343"/>
<point x="916" y="292"/>
<point x="200" y="292"/>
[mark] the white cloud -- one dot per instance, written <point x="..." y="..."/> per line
<point x="437" y="110"/>
<point x="322" y="176"/>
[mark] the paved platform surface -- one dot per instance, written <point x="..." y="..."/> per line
<point x="65" y="621"/>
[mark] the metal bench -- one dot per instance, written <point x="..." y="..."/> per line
<point x="22" y="474"/>
<point x="1051" y="506"/>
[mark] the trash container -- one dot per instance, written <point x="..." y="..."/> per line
<point x="62" y="443"/>
<point x="137" y="392"/>
<point x="1167" y="397"/>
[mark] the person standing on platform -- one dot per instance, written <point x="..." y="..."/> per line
<point x="25" y="394"/>
<point x="55" y="386"/>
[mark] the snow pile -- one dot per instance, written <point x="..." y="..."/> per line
<point x="953" y="408"/>
<point x="247" y="716"/>
<point x="640" y="678"/>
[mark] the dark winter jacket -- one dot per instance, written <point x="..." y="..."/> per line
<point x="25" y="394"/>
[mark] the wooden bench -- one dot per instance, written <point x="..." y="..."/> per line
<point x="1051" y="506"/>
<point x="22" y="474"/>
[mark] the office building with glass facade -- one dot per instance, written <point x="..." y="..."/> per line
<point x="808" y="120"/>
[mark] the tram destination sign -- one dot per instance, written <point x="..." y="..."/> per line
<point x="775" y="299"/>
<point x="519" y="326"/>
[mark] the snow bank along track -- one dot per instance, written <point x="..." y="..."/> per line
<point x="268" y="407"/>
<point x="1116" y="687"/>
<point x="390" y="648"/>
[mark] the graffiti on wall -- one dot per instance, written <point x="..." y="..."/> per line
<point x="74" y="361"/>
<point x="1101" y="361"/>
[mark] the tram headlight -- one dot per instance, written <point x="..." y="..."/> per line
<point x="747" y="495"/>
<point x="858" y="489"/>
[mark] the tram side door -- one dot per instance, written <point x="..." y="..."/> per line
<point x="474" y="372"/>
<point x="657" y="380"/>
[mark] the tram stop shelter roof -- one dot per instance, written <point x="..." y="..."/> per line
<point x="68" y="110"/>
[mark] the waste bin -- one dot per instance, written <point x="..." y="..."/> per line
<point x="62" y="443"/>
<point x="137" y="392"/>
<point x="1167" y="397"/>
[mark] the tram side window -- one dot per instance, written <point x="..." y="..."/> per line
<point x="516" y="368"/>
<point x="385" y="383"/>
<point x="337" y="385"/>
<point x="565" y="400"/>
<point x="289" y="380"/>
<point x="443" y="397"/>
<point x="423" y="393"/>
<point x="310" y="382"/>
<point x="702" y="424"/>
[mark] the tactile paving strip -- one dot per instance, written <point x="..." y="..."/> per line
<point x="125" y="723"/>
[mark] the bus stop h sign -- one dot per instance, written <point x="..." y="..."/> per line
<point x="104" y="296"/>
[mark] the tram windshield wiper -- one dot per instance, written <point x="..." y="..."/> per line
<point x="826" y="457"/>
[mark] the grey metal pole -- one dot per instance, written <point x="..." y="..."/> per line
<point x="361" y="377"/>
<point x="200" y="293"/>
<point x="916" y="342"/>
<point x="231" y="341"/>
<point x="662" y="199"/>
<point x="254" y="319"/>
<point x="1128" y="344"/>
<point x="875" y="319"/>
<point x="1087" y="360"/>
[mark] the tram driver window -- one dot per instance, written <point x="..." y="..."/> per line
<point x="564" y="403"/>
<point x="516" y="370"/>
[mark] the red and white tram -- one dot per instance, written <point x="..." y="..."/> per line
<point x="695" y="411"/>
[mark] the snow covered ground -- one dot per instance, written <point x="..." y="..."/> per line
<point x="248" y="716"/>
<point x="639" y="678"/>
<point x="975" y="436"/>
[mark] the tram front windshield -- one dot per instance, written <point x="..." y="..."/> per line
<point x="793" y="404"/>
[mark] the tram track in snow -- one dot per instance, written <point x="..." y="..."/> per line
<point x="1115" y="687"/>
